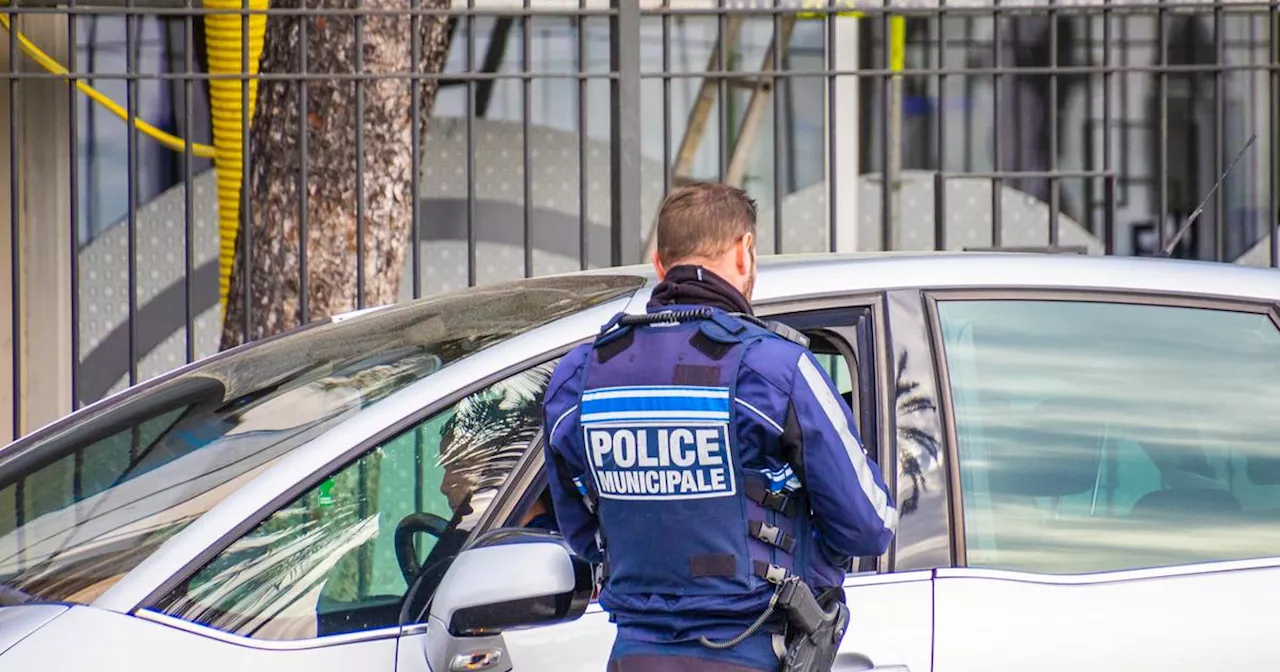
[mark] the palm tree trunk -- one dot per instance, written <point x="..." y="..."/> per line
<point x="329" y="46"/>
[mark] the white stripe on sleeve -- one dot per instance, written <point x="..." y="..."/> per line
<point x="559" y="420"/>
<point x="835" y="415"/>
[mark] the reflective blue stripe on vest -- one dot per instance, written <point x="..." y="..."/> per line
<point x="668" y="403"/>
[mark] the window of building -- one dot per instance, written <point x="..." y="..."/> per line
<point x="1105" y="436"/>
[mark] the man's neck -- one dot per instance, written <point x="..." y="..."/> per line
<point x="688" y="284"/>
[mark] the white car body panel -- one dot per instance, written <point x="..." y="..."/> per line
<point x="86" y="638"/>
<point x="889" y="622"/>
<point x="1218" y="616"/>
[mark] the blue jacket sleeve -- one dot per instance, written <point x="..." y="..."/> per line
<point x="852" y="508"/>
<point x="564" y="456"/>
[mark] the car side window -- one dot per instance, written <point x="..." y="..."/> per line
<point x="340" y="557"/>
<point x="1100" y="436"/>
<point x="838" y="369"/>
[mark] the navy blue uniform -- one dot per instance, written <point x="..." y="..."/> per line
<point x="700" y="461"/>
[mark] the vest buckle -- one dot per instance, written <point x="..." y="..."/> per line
<point x="771" y="573"/>
<point x="772" y="535"/>
<point x="782" y="502"/>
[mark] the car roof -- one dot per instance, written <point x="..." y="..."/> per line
<point x="796" y="276"/>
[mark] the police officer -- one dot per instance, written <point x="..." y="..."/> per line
<point x="699" y="458"/>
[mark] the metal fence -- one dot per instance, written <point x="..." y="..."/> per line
<point x="1079" y="126"/>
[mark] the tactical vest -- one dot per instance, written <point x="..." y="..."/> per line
<point x="686" y="507"/>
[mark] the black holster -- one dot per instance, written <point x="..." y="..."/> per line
<point x="815" y="627"/>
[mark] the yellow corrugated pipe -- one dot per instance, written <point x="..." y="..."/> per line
<point x="224" y="35"/>
<point x="49" y="63"/>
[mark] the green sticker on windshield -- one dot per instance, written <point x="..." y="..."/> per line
<point x="326" y="499"/>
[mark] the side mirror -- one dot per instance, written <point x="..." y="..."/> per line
<point x="518" y="580"/>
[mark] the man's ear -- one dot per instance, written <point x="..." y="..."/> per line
<point x="744" y="253"/>
<point x="657" y="266"/>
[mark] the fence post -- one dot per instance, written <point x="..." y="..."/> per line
<point x="42" y="295"/>
<point x="624" y="132"/>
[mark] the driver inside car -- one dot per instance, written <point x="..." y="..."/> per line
<point x="541" y="516"/>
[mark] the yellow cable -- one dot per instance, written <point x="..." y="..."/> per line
<point x="224" y="40"/>
<point x="48" y="63"/>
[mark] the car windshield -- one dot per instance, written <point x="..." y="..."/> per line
<point x="85" y="503"/>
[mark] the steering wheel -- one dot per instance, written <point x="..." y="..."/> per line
<point x="412" y="524"/>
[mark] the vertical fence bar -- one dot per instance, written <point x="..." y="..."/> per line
<point x="471" y="143"/>
<point x="624" y="153"/>
<point x="1162" y="137"/>
<point x="833" y="219"/>
<point x="775" y="88"/>
<point x="1273" y="116"/>
<point x="360" y="195"/>
<point x="967" y="136"/>
<point x="722" y="84"/>
<point x="1219" y="121"/>
<point x="666" y="98"/>
<point x="73" y="145"/>
<point x="940" y="133"/>
<point x="526" y="63"/>
<point x="1122" y="188"/>
<point x="415" y="169"/>
<point x="1055" y="182"/>
<point x="131" y="198"/>
<point x="188" y="187"/>
<point x="887" y="148"/>
<point x="581" y="137"/>
<point x="997" y="184"/>
<point x="1108" y="178"/>
<point x="1091" y="126"/>
<point x="304" y="134"/>
<point x="15" y="240"/>
<point x="246" y="182"/>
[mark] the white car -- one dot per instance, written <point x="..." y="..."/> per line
<point x="1085" y="452"/>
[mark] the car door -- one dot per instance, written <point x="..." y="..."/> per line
<point x="1119" y="473"/>
<point x="891" y="612"/>
<point x="328" y="571"/>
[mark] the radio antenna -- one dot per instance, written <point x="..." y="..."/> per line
<point x="1168" y="248"/>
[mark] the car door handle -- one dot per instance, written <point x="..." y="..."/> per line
<point x="857" y="662"/>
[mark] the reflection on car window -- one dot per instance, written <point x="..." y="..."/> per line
<point x="80" y="506"/>
<point x="1102" y="436"/>
<point x="329" y="562"/>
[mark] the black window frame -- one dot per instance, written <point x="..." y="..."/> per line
<point x="932" y="297"/>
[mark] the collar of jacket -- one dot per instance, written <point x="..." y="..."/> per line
<point x="696" y="286"/>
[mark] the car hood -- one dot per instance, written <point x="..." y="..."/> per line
<point x="16" y="623"/>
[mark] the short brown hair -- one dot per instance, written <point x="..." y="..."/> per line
<point x="702" y="220"/>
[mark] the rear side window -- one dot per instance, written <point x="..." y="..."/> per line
<point x="1104" y="436"/>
